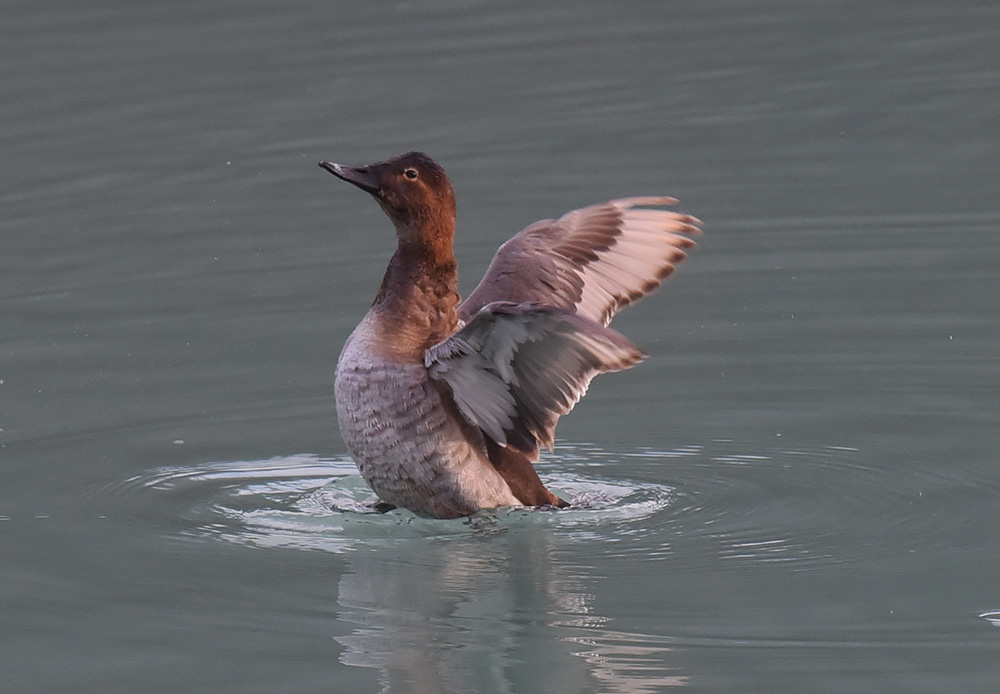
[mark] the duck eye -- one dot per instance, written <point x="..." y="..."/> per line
<point x="410" y="174"/>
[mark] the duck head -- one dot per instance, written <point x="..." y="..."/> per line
<point x="413" y="190"/>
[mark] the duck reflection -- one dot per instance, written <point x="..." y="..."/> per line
<point x="491" y="611"/>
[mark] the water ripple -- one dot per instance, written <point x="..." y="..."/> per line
<point x="308" y="502"/>
<point x="809" y="509"/>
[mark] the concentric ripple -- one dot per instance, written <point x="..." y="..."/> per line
<point x="810" y="509"/>
<point x="308" y="502"/>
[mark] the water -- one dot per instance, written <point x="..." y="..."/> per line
<point x="797" y="491"/>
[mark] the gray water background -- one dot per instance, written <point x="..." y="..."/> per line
<point x="797" y="491"/>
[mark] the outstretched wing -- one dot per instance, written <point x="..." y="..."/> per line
<point x="514" y="369"/>
<point x="592" y="261"/>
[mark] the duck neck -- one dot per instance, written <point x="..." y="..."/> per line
<point x="417" y="304"/>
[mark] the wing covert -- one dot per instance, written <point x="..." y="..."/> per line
<point x="514" y="369"/>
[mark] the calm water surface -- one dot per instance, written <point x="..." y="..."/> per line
<point x="797" y="491"/>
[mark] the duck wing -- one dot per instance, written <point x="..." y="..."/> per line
<point x="514" y="369"/>
<point x="592" y="261"/>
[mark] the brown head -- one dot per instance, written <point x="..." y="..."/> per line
<point x="414" y="192"/>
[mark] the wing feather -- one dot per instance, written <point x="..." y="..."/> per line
<point x="514" y="369"/>
<point x="592" y="261"/>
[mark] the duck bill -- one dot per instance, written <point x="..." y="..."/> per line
<point x="362" y="176"/>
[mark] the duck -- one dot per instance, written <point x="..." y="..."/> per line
<point x="445" y="404"/>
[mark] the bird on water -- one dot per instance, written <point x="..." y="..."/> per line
<point x="445" y="404"/>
